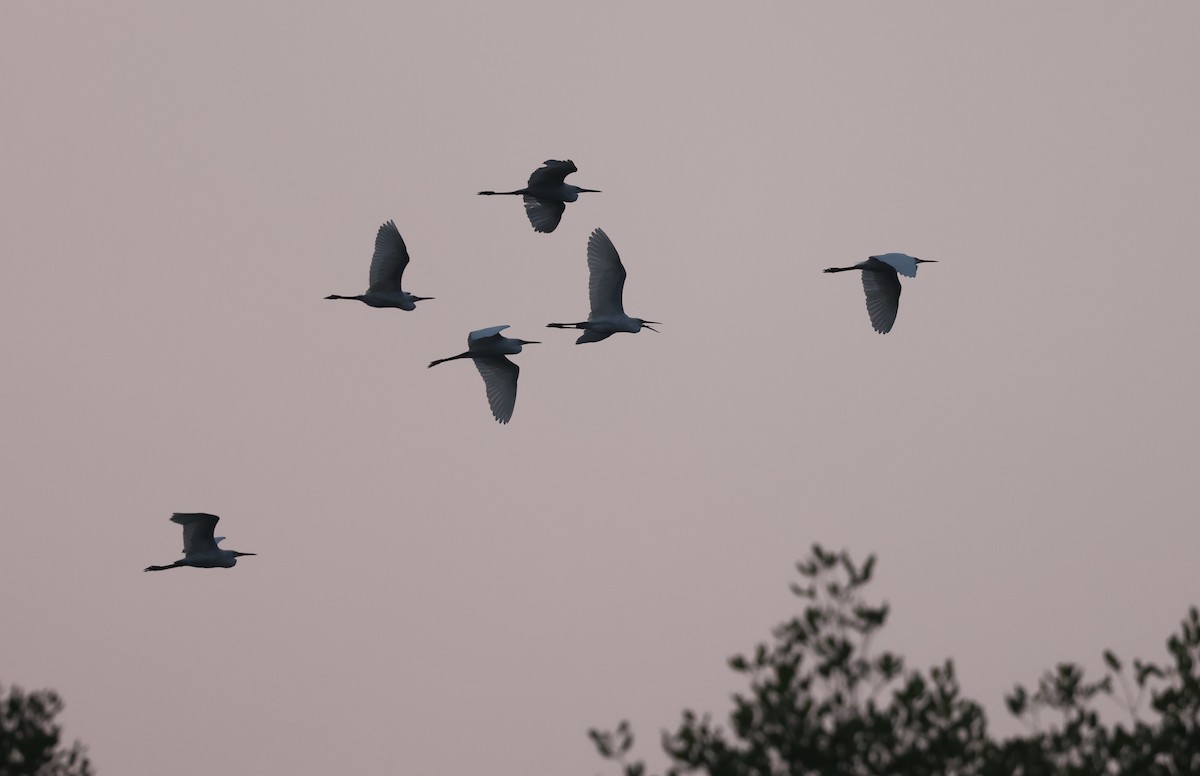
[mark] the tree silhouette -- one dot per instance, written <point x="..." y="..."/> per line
<point x="29" y="737"/>
<point x="820" y="702"/>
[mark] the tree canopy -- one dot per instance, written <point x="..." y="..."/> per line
<point x="821" y="702"/>
<point x="30" y="737"/>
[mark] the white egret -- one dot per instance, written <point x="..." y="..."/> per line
<point x="882" y="285"/>
<point x="199" y="546"/>
<point x="606" y="283"/>
<point x="546" y="195"/>
<point x="387" y="267"/>
<point x="488" y="348"/>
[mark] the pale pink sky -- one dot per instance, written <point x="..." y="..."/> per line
<point x="435" y="593"/>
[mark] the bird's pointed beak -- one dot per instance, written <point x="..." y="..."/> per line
<point x="646" y="325"/>
<point x="926" y="261"/>
<point x="592" y="191"/>
<point x="422" y="298"/>
<point x="531" y="342"/>
<point x="245" y="553"/>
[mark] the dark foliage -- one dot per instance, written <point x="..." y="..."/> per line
<point x="820" y="702"/>
<point x="29" y="737"/>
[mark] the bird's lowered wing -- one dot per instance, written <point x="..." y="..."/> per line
<point x="500" y="378"/>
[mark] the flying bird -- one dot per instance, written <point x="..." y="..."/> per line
<point x="606" y="283"/>
<point x="387" y="267"/>
<point x="546" y="196"/>
<point x="199" y="546"/>
<point x="882" y="285"/>
<point x="488" y="348"/>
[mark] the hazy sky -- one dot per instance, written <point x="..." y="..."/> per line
<point x="436" y="593"/>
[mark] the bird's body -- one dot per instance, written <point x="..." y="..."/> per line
<point x="547" y="194"/>
<point x="881" y="283"/>
<point x="387" y="269"/>
<point x="488" y="348"/>
<point x="606" y="287"/>
<point x="199" y="545"/>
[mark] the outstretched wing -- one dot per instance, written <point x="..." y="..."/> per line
<point x="500" y="378"/>
<point x="883" y="298"/>
<point x="198" y="530"/>
<point x="544" y="214"/>
<point x="901" y="262"/>
<point x="390" y="259"/>
<point x="482" y="339"/>
<point x="552" y="173"/>
<point x="606" y="276"/>
<point x="479" y="334"/>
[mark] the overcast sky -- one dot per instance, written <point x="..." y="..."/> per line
<point x="438" y="594"/>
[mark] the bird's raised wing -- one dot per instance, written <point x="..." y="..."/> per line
<point x="544" y="214"/>
<point x="606" y="276"/>
<point x="901" y="262"/>
<point x="883" y="298"/>
<point x="197" y="531"/>
<point x="552" y="172"/>
<point x="390" y="259"/>
<point x="500" y="378"/>
<point x="481" y="338"/>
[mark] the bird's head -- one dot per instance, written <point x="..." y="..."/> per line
<point x="646" y="325"/>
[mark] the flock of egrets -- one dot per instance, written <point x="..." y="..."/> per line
<point x="546" y="197"/>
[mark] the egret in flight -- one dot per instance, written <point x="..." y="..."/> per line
<point x="606" y="283"/>
<point x="546" y="196"/>
<point x="387" y="267"/>
<point x="881" y="282"/>
<point x="488" y="348"/>
<point x="199" y="546"/>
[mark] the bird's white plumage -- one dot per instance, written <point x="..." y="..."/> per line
<point x="901" y="262"/>
<point x="389" y="260"/>
<point x="606" y="276"/>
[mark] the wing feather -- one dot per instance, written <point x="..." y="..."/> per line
<point x="198" y="530"/>
<point x="544" y="214"/>
<point x="883" y="298"/>
<point x="901" y="262"/>
<point x="552" y="172"/>
<point x="500" y="379"/>
<point x="390" y="259"/>
<point x="606" y="276"/>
